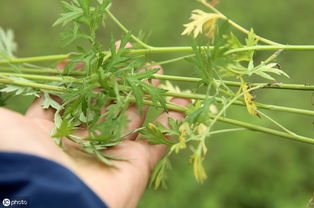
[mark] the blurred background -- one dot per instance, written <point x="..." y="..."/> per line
<point x="245" y="169"/>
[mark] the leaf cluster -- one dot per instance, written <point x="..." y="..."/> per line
<point x="84" y="17"/>
<point x="99" y="101"/>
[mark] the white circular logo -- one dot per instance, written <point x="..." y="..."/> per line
<point x="6" y="202"/>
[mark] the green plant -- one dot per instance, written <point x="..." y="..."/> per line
<point x="224" y="66"/>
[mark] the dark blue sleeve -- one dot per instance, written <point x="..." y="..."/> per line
<point x="33" y="181"/>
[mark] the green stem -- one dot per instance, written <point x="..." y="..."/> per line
<point x="175" y="107"/>
<point x="176" y="78"/>
<point x="35" y="59"/>
<point x="272" y="48"/>
<point x="187" y="49"/>
<point x="283" y="109"/>
<point x="119" y="24"/>
<point x="32" y="85"/>
<point x="172" y="60"/>
<point x="249" y="126"/>
<point x="226" y="131"/>
<point x="266" y="130"/>
<point x="47" y="71"/>
<point x="39" y="77"/>
<point x="169" y="93"/>
<point x="260" y="105"/>
<point x="305" y="87"/>
<point x="276" y="123"/>
<point x="182" y="49"/>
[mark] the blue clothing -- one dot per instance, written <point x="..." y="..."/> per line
<point x="32" y="181"/>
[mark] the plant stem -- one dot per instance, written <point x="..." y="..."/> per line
<point x="169" y="93"/>
<point x="176" y="78"/>
<point x="182" y="49"/>
<point x="272" y="48"/>
<point x="250" y="126"/>
<point x="32" y="85"/>
<point x="276" y="123"/>
<point x="255" y="48"/>
<point x="47" y="71"/>
<point x="39" y="77"/>
<point x="119" y="24"/>
<point x="260" y="105"/>
<point x="174" y="107"/>
<point x="173" y="60"/>
<point x="305" y="87"/>
<point x="35" y="59"/>
<point x="226" y="131"/>
<point x="266" y="130"/>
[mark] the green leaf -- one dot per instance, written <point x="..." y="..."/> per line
<point x="198" y="112"/>
<point x="66" y="128"/>
<point x="20" y="90"/>
<point x="147" y="74"/>
<point x="7" y="44"/>
<point x="155" y="94"/>
<point x="102" y="158"/>
<point x="50" y="102"/>
<point x="155" y="135"/>
<point x="234" y="41"/>
<point x="173" y="130"/>
<point x="251" y="40"/>
<point x="138" y="94"/>
<point x="85" y="18"/>
<point x="85" y="5"/>
<point x="263" y="70"/>
<point x="72" y="12"/>
<point x="264" y="75"/>
<point x="159" y="175"/>
<point x="3" y="99"/>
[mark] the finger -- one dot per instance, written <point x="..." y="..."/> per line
<point x="157" y="151"/>
<point x="63" y="63"/>
<point x="133" y="114"/>
<point x="118" y="44"/>
<point x="155" y="82"/>
<point x="19" y="134"/>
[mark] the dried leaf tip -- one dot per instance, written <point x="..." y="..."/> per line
<point x="249" y="100"/>
<point x="198" y="169"/>
<point x="201" y="21"/>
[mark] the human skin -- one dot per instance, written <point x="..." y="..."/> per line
<point x="120" y="186"/>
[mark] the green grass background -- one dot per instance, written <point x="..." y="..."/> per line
<point x="246" y="169"/>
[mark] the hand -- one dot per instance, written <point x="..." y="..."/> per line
<point x="118" y="187"/>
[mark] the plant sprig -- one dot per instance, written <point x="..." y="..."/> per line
<point x="114" y="78"/>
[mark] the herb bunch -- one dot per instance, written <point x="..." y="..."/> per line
<point x="113" y="78"/>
